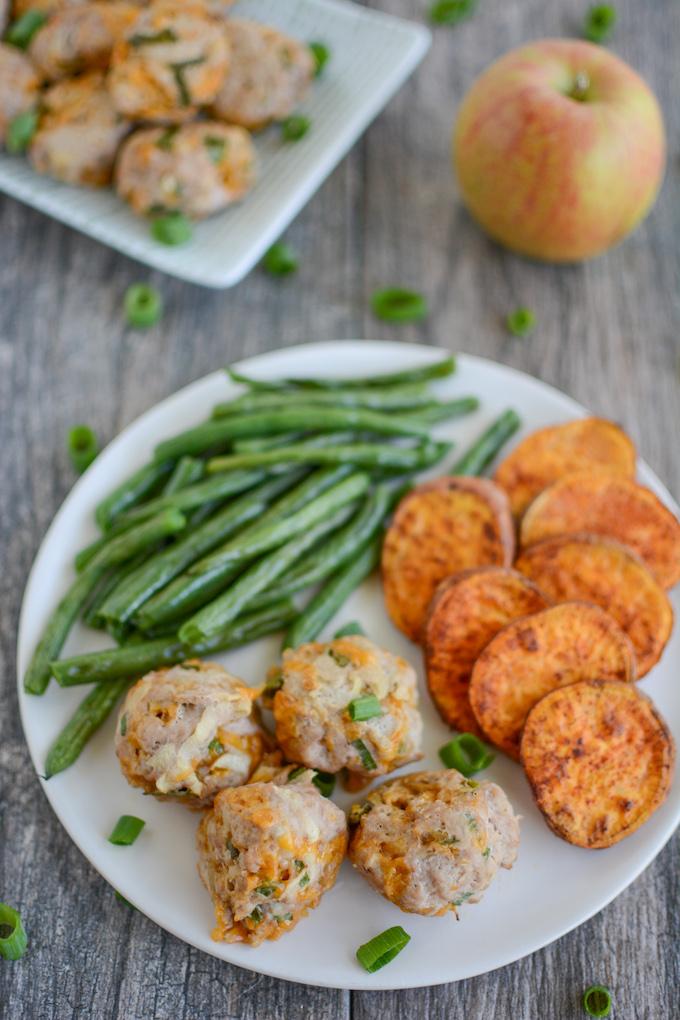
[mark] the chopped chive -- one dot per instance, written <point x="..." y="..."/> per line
<point x="256" y="915"/>
<point x="166" y="35"/>
<point x="339" y="658"/>
<point x="599" y="23"/>
<point x="266" y="889"/>
<point x="450" y="12"/>
<point x="280" y="260"/>
<point x="461" y="899"/>
<point x="299" y="866"/>
<point x="165" y="140"/>
<point x="487" y="853"/>
<point x="350" y="629"/>
<point x="180" y="80"/>
<point x="294" y="128"/>
<point x="365" y="707"/>
<point x="597" y="1001"/>
<point x="172" y="228"/>
<point x="283" y="918"/>
<point x="367" y="759"/>
<point x="521" y="322"/>
<point x="325" y="783"/>
<point x="20" y="131"/>
<point x="304" y="880"/>
<point x="467" y="753"/>
<point x="375" y="953"/>
<point x="82" y="447"/>
<point x="21" y="31"/>
<point x="395" y="304"/>
<point x="13" y="940"/>
<point x="294" y="773"/>
<point x="357" y="812"/>
<point x="321" y="55"/>
<point x="143" y="305"/>
<point x="216" y="147"/>
<point x="126" y="830"/>
<point x="215" y="746"/>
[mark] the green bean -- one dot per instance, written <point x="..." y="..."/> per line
<point x="327" y="419"/>
<point x="187" y="471"/>
<point x="83" y="724"/>
<point x="188" y="593"/>
<point x="138" y="587"/>
<point x="431" y="414"/>
<point x="90" y="615"/>
<point x="197" y="495"/>
<point x="431" y="370"/>
<point x="483" y="451"/>
<point x="136" y="659"/>
<point x="366" y="455"/>
<point x="376" y="398"/>
<point x="257" y="443"/>
<point x="58" y="626"/>
<point x="131" y="492"/>
<point x="319" y="563"/>
<point x="123" y="547"/>
<point x="325" y="604"/>
<point x="214" y="617"/>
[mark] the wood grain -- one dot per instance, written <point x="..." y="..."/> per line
<point x="607" y="333"/>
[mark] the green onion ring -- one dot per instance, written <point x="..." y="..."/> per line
<point x="13" y="939"/>
<point x="172" y="228"/>
<point x="597" y="1001"/>
<point x="143" y="305"/>
<point x="395" y="304"/>
<point x="126" y="830"/>
<point x="365" y="707"/>
<point x="294" y="128"/>
<point x="467" y="754"/>
<point x="350" y="629"/>
<point x="379" y="950"/>
<point x="82" y="447"/>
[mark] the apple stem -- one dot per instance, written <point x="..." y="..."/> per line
<point x="581" y="86"/>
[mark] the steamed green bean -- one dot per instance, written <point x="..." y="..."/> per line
<point x="483" y="451"/>
<point x="366" y="455"/>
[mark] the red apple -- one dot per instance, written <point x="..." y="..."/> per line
<point x="559" y="149"/>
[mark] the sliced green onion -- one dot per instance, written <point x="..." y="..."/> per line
<point x="321" y="55"/>
<point x="143" y="305"/>
<point x="357" y="812"/>
<point x="20" y="131"/>
<point x="350" y="629"/>
<point x="467" y="753"/>
<point x="521" y="322"/>
<point x="165" y="140"/>
<point x="126" y="830"/>
<point x="450" y="12"/>
<point x="382" y="948"/>
<point x="599" y="23"/>
<point x="216" y="147"/>
<point x="597" y="1001"/>
<point x="325" y="783"/>
<point x="294" y="773"/>
<point x="82" y="447"/>
<point x="395" y="304"/>
<point x="166" y="35"/>
<point x="338" y="658"/>
<point x="266" y="889"/>
<point x="280" y="260"/>
<point x="256" y="915"/>
<point x="215" y="746"/>
<point x="367" y="759"/>
<point x="123" y="725"/>
<point x="13" y="939"/>
<point x="173" y="228"/>
<point x="21" y="31"/>
<point x="294" y="128"/>
<point x="304" y="880"/>
<point x="366" y="707"/>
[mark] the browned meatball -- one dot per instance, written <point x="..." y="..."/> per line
<point x="197" y="169"/>
<point x="171" y="61"/>
<point x="80" y="38"/>
<point x="269" y="75"/>
<point x="79" y="132"/>
<point x="18" y="86"/>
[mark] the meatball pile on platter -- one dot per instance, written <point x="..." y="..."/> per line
<point x="267" y="853"/>
<point x="348" y="705"/>
<point x="431" y="841"/>
<point x="188" y="732"/>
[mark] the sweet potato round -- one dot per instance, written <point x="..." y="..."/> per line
<point x="439" y="528"/>
<point x="599" y="759"/>
<point x="549" y="453"/>
<point x="609" y="504"/>
<point x="589" y="568"/>
<point x="535" y="655"/>
<point x="467" y="611"/>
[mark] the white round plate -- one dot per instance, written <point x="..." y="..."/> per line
<point x="553" y="887"/>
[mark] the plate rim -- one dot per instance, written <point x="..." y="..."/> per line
<point x="432" y="353"/>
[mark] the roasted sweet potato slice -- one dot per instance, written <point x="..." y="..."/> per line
<point x="533" y="656"/>
<point x="609" y="504"/>
<point x="441" y="527"/>
<point x="467" y="610"/>
<point x="589" y="568"/>
<point x="548" y="454"/>
<point x="599" y="759"/>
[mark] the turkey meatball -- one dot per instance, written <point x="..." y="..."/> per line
<point x="197" y="169"/>
<point x="79" y="132"/>
<point x="267" y="853"/>
<point x="80" y="38"/>
<point x="269" y="75"/>
<point x="324" y="694"/>
<point x="18" y="86"/>
<point x="171" y="61"/>
<point x="188" y="732"/>
<point x="431" y="841"/>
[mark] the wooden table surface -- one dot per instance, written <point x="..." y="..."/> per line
<point x="607" y="334"/>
